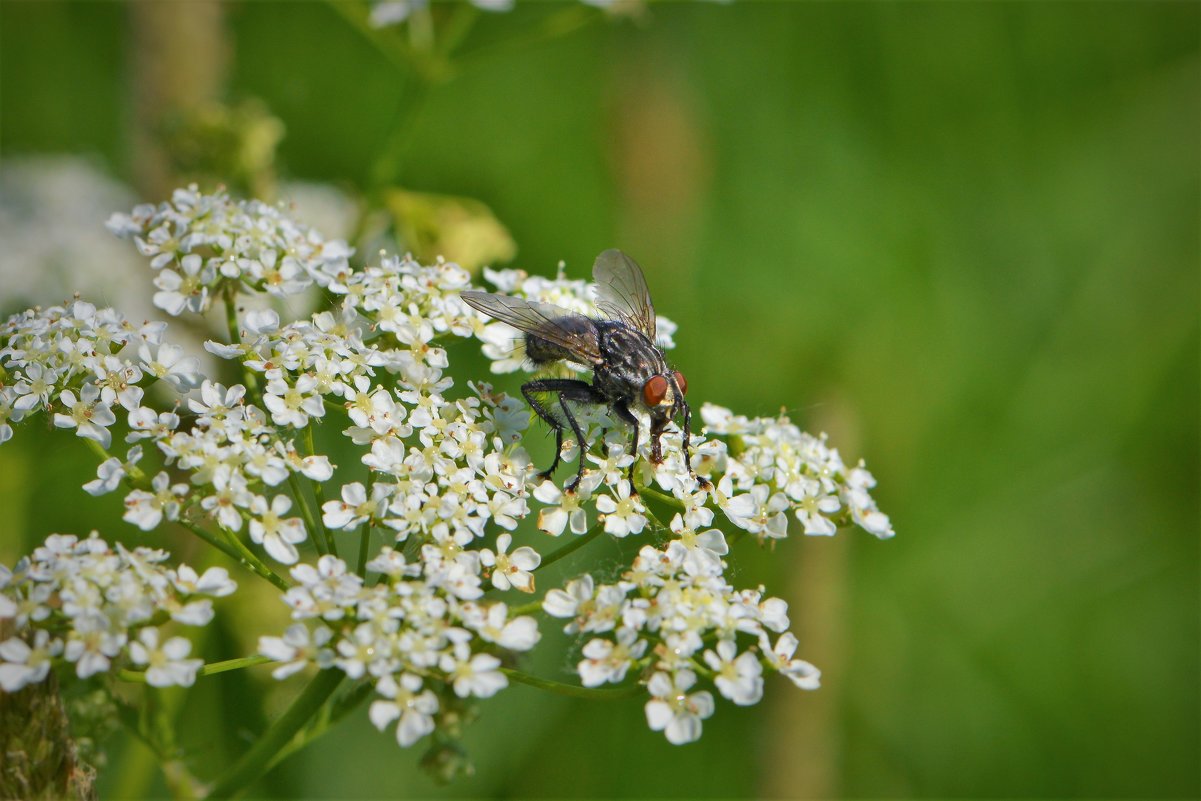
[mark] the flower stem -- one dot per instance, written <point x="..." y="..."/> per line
<point x="235" y="336"/>
<point x="365" y="529"/>
<point x="237" y="551"/>
<point x="134" y="475"/>
<point x="306" y="512"/>
<point x="258" y="759"/>
<point x="661" y="497"/>
<point x="571" y="547"/>
<point x="319" y="495"/>
<point x="591" y="693"/>
<point x="139" y="676"/>
<point x="526" y="609"/>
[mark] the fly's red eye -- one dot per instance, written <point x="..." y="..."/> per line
<point x="654" y="390"/>
<point x="683" y="384"/>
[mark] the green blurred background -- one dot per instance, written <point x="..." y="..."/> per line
<point x="961" y="238"/>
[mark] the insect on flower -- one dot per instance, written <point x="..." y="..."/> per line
<point x="628" y="369"/>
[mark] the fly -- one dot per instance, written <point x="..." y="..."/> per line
<point x="628" y="369"/>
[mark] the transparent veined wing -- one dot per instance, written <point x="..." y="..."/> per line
<point x="570" y="331"/>
<point x="621" y="291"/>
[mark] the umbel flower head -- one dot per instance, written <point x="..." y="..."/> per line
<point x="95" y="607"/>
<point x="434" y="465"/>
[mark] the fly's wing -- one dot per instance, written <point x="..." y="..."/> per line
<point x="621" y="292"/>
<point x="570" y="331"/>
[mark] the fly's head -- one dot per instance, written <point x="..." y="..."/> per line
<point x="663" y="395"/>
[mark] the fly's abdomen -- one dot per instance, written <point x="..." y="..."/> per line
<point x="542" y="350"/>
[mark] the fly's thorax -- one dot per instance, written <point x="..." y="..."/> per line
<point x="629" y="361"/>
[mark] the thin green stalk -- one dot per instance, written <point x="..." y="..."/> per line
<point x="336" y="711"/>
<point x="662" y="497"/>
<point x="365" y="529"/>
<point x="235" y="335"/>
<point x="364" y="544"/>
<point x="135" y="477"/>
<point x="319" y="494"/>
<point x="572" y="547"/>
<point x="139" y="676"/>
<point x="255" y="762"/>
<point x="236" y="550"/>
<point x="554" y="26"/>
<point x="526" y="609"/>
<point x="591" y="693"/>
<point x="306" y="512"/>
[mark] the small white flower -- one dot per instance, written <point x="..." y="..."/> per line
<point x="297" y="649"/>
<point x="184" y="292"/>
<point x="354" y="509"/>
<point x="704" y="550"/>
<point x="675" y="712"/>
<point x="511" y="570"/>
<point x="414" y="707"/>
<point x="569" y="601"/>
<point x="171" y="365"/>
<point x="759" y="511"/>
<point x="147" y="509"/>
<point x="87" y="414"/>
<point x="277" y="535"/>
<point x="476" y="675"/>
<point x="23" y="664"/>
<point x="739" y="677"/>
<point x="215" y="582"/>
<point x="565" y="510"/>
<point x="168" y="665"/>
<point x="813" y="506"/>
<point x="780" y="658"/>
<point x="110" y="472"/>
<point x="623" y="515"/>
<point x="608" y="661"/>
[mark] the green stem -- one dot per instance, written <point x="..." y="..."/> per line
<point x="571" y="547"/>
<point x="365" y="531"/>
<point x="319" y="495"/>
<point x="338" y="710"/>
<point x="457" y="28"/>
<point x="255" y="762"/>
<point x="230" y="296"/>
<point x="556" y="25"/>
<point x="233" y="548"/>
<point x="306" y="512"/>
<point x="591" y="693"/>
<point x="526" y="609"/>
<point x="662" y="497"/>
<point x="139" y="676"/>
<point x="135" y="477"/>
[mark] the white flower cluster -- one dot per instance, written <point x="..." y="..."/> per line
<point x="673" y="616"/>
<point x="448" y="477"/>
<point x="81" y="363"/>
<point x="198" y="241"/>
<point x="235" y="459"/>
<point x="775" y="468"/>
<point x="418" y="634"/>
<point x="96" y="606"/>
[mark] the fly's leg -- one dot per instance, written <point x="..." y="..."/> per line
<point x="623" y="412"/>
<point x="565" y="396"/>
<point x="528" y="389"/>
<point x="568" y="389"/>
<point x="703" y="483"/>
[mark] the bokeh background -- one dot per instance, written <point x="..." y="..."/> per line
<point x="961" y="238"/>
